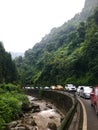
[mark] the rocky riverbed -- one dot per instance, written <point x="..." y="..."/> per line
<point x="41" y="115"/>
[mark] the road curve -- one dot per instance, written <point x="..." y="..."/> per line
<point x="92" y="118"/>
<point x="84" y="115"/>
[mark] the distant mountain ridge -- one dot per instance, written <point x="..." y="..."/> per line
<point x="16" y="54"/>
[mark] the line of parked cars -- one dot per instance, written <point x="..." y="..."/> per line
<point x="89" y="93"/>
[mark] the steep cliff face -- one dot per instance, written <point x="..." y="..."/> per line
<point x="88" y="9"/>
<point x="90" y="3"/>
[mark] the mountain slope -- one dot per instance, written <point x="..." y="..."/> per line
<point x="65" y="54"/>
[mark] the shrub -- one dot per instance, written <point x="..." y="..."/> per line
<point x="9" y="87"/>
<point x="11" y="103"/>
<point x="23" y="100"/>
<point x="5" y="111"/>
<point x="14" y="105"/>
<point x="2" y="123"/>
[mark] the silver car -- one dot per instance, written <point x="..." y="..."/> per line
<point x="85" y="92"/>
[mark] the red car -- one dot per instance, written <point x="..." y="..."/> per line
<point x="94" y="98"/>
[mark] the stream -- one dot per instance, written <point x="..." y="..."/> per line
<point x="43" y="116"/>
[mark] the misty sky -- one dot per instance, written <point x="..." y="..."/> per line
<point x="24" y="22"/>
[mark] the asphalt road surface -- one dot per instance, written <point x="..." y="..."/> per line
<point x="92" y="118"/>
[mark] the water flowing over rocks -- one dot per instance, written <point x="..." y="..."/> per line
<point x="39" y="115"/>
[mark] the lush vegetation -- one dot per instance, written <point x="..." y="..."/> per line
<point x="8" y="70"/>
<point x="68" y="54"/>
<point x="12" y="101"/>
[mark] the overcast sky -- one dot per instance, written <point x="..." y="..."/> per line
<point x="24" y="22"/>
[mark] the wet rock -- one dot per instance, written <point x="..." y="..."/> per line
<point x="52" y="126"/>
<point x="45" y="108"/>
<point x="19" y="121"/>
<point x="49" y="106"/>
<point x="21" y="114"/>
<point x="26" y="115"/>
<point x="31" y="106"/>
<point x="35" y="128"/>
<point x="33" y="123"/>
<point x="37" y="116"/>
<point x="12" y="124"/>
<point x="51" y="117"/>
<point x="16" y="128"/>
<point x="34" y="99"/>
<point x="28" y="127"/>
<point x="62" y="118"/>
<point x="27" y="107"/>
<point x="20" y="128"/>
<point x="20" y="125"/>
<point x="36" y="108"/>
<point x="30" y="122"/>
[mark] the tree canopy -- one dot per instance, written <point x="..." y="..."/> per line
<point x="8" y="70"/>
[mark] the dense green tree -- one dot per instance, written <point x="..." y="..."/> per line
<point x="8" y="70"/>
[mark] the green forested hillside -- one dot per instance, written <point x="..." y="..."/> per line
<point x="8" y="70"/>
<point x="68" y="54"/>
<point x="10" y="94"/>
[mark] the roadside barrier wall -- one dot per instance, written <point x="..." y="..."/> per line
<point x="64" y="102"/>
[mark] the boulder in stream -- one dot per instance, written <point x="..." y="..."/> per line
<point x="52" y="126"/>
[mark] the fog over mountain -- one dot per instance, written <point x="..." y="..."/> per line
<point x="16" y="54"/>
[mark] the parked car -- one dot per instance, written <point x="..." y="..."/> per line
<point x="59" y="87"/>
<point x="46" y="88"/>
<point x="85" y="92"/>
<point x="94" y="98"/>
<point x="29" y="87"/>
<point x="70" y="88"/>
<point x="78" y="89"/>
<point x="52" y="87"/>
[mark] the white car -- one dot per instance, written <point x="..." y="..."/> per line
<point x="79" y="89"/>
<point x="85" y="92"/>
<point x="70" y="88"/>
<point x="46" y="88"/>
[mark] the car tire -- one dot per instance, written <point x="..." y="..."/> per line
<point x="84" y="96"/>
<point x="91" y="105"/>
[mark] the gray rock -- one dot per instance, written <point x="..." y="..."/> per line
<point x="35" y="108"/>
<point x="12" y="124"/>
<point x="49" y="106"/>
<point x="33" y="123"/>
<point x="21" y="128"/>
<point x="52" y="126"/>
